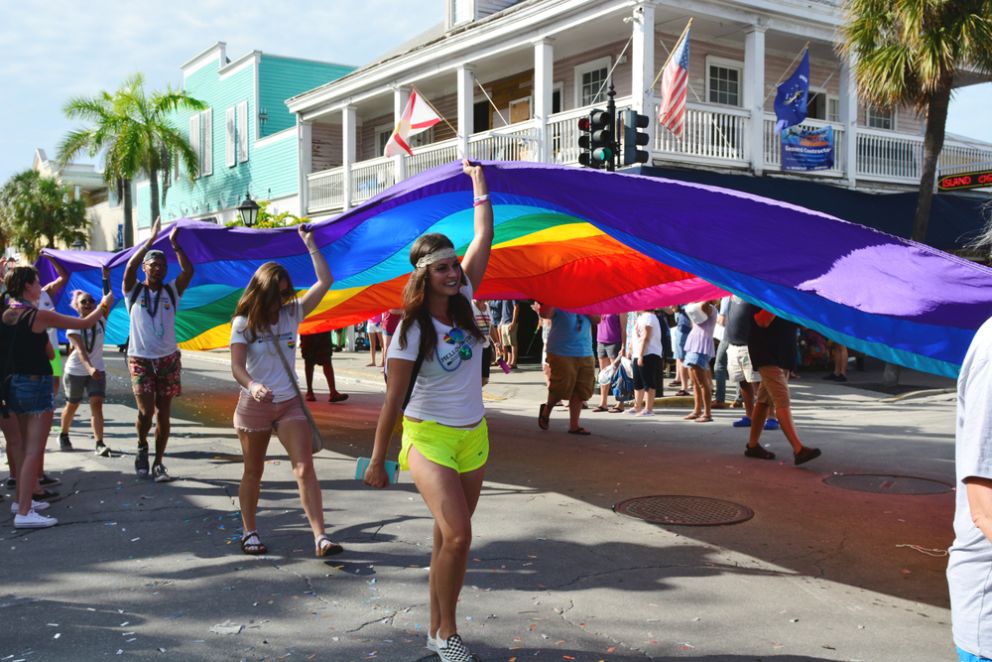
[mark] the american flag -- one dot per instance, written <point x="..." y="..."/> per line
<point x="674" y="87"/>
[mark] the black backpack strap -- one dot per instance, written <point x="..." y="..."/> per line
<point x="172" y="294"/>
<point x="135" y="293"/>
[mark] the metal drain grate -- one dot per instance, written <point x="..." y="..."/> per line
<point x="684" y="510"/>
<point x="887" y="484"/>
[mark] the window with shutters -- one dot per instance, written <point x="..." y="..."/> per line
<point x="242" y="131"/>
<point x="201" y="140"/>
<point x="229" y="145"/>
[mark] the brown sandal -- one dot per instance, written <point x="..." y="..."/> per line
<point x="543" y="418"/>
<point x="691" y="417"/>
<point x="252" y="548"/>
<point x="327" y="547"/>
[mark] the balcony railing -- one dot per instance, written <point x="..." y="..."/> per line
<point x="714" y="135"/>
<point x="710" y="132"/>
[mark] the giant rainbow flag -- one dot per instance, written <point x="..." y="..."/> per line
<point x="593" y="241"/>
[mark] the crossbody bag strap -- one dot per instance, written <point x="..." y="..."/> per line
<point x="318" y="441"/>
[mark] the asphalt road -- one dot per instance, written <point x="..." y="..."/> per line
<point x="143" y="571"/>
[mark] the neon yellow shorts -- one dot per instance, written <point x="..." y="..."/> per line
<point x="461" y="449"/>
<point x="57" y="364"/>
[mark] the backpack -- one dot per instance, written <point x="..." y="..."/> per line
<point x="622" y="384"/>
<point x="136" y="292"/>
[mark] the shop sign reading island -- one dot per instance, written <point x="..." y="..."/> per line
<point x="964" y="180"/>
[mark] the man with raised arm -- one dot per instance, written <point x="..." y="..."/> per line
<point x="153" y="355"/>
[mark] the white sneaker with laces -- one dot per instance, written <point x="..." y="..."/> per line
<point x="431" y="644"/>
<point x="452" y="649"/>
<point x="37" y="506"/>
<point x="33" y="521"/>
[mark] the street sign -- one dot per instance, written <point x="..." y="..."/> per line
<point x="965" y="180"/>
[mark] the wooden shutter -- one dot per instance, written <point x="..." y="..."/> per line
<point x="194" y="135"/>
<point x="243" y="131"/>
<point x="207" y="160"/>
<point x="229" y="158"/>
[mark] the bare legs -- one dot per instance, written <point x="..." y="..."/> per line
<point x="702" y="393"/>
<point x="34" y="429"/>
<point x="295" y="438"/>
<point x="452" y="499"/>
<point x="96" y="416"/>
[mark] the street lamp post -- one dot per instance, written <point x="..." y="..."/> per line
<point x="248" y="211"/>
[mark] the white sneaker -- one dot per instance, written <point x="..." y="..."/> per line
<point x="33" y="521"/>
<point x="632" y="411"/>
<point x="645" y="412"/>
<point x="36" y="506"/>
<point x="431" y="644"/>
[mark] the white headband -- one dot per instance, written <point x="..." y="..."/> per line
<point x="436" y="256"/>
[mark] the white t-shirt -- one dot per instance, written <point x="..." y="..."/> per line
<point x="644" y="322"/>
<point x="970" y="564"/>
<point x="263" y="363"/>
<point x="90" y="338"/>
<point x="449" y="385"/>
<point x="45" y="303"/>
<point x="153" y="336"/>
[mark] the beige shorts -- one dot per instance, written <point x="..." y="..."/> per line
<point x="739" y="368"/>
<point x="572" y="377"/>
<point x="507" y="335"/>
<point x="774" y="387"/>
<point x="253" y="416"/>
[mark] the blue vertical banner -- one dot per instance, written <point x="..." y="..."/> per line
<point x="808" y="149"/>
<point x="792" y="95"/>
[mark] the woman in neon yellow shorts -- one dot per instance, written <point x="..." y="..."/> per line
<point x="445" y="439"/>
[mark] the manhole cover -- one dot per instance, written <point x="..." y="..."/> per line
<point x="684" y="510"/>
<point x="887" y="484"/>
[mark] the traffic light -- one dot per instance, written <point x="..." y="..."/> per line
<point x="633" y="138"/>
<point x="596" y="140"/>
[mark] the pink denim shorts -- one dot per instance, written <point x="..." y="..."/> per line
<point x="253" y="416"/>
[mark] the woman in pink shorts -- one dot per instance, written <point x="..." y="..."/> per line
<point x="265" y="323"/>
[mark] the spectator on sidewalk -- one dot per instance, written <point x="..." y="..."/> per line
<point x="772" y="350"/>
<point x="480" y="310"/>
<point x="698" y="352"/>
<point x="318" y="349"/>
<point x="508" y="331"/>
<point x="445" y="437"/>
<point x="570" y="363"/>
<point x="390" y="320"/>
<point x="153" y="357"/>
<point x="720" y="362"/>
<point x="84" y="372"/>
<point x="680" y="332"/>
<point x="740" y="321"/>
<point x="971" y="552"/>
<point x="839" y="357"/>
<point x="646" y="360"/>
<point x="611" y="338"/>
<point x="266" y="323"/>
<point x="373" y="329"/>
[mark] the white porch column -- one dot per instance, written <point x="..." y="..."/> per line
<point x="400" y="96"/>
<point x="544" y="87"/>
<point x="849" y="117"/>
<point x="642" y="66"/>
<point x="304" y="150"/>
<point x="348" y="118"/>
<point x="754" y="94"/>
<point x="466" y="100"/>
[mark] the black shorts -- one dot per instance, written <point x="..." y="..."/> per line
<point x="647" y="377"/>
<point x="487" y="359"/>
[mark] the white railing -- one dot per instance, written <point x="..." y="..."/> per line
<point x="772" y="144"/>
<point x="963" y="158"/>
<point x="517" y="142"/>
<point x="889" y="156"/>
<point x="711" y="132"/>
<point x="325" y="190"/>
<point x="370" y="178"/>
<point x="431" y="156"/>
<point x="957" y="169"/>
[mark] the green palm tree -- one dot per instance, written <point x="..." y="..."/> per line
<point x="909" y="52"/>
<point x="136" y="136"/>
<point x="38" y="211"/>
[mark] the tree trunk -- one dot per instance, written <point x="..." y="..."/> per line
<point x="933" y="142"/>
<point x="128" y="215"/>
<point x="153" y="189"/>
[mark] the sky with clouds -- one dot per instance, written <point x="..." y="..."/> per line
<point x="56" y="50"/>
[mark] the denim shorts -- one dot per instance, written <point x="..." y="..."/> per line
<point x="30" y="394"/>
<point x="697" y="359"/>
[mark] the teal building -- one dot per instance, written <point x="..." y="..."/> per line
<point x="246" y="139"/>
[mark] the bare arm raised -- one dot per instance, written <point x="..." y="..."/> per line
<point x="186" y="275"/>
<point x="131" y="271"/>
<point x="317" y="291"/>
<point x="477" y="254"/>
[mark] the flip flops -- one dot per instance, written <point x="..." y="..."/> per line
<point x="599" y="409"/>
<point x="543" y="421"/>
<point x="327" y="547"/>
<point x="252" y="545"/>
<point x="338" y="397"/>
<point x="580" y="431"/>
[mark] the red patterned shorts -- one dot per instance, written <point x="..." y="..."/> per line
<point x="158" y="376"/>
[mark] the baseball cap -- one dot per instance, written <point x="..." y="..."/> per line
<point x="153" y="254"/>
